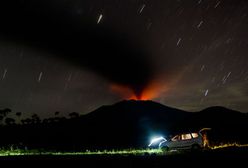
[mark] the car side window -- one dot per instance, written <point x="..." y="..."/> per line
<point x="195" y="135"/>
<point x="186" y="136"/>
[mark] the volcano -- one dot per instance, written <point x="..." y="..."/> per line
<point x="148" y="92"/>
<point x="127" y="124"/>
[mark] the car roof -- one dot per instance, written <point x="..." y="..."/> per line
<point x="184" y="131"/>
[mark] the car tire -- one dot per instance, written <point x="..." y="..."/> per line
<point x="195" y="148"/>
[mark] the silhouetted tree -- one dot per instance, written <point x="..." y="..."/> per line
<point x="56" y="113"/>
<point x="74" y="115"/>
<point x="5" y="112"/>
<point x="1" y="119"/>
<point x="47" y="120"/>
<point x="62" y="119"/>
<point x="18" y="114"/>
<point x="23" y="122"/>
<point x="9" y="121"/>
<point x="35" y="119"/>
<point x="26" y="121"/>
<point x="56" y="119"/>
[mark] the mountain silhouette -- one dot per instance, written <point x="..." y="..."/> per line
<point x="128" y="124"/>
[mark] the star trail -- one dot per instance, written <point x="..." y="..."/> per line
<point x="69" y="55"/>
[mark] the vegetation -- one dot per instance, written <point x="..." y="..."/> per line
<point x="97" y="130"/>
<point x="21" y="152"/>
<point x="34" y="119"/>
<point x="142" y="152"/>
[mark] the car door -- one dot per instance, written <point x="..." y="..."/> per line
<point x="186" y="140"/>
<point x="174" y="142"/>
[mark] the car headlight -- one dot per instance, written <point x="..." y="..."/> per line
<point x="158" y="140"/>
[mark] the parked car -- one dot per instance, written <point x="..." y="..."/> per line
<point x="189" y="140"/>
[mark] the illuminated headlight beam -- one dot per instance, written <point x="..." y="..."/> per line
<point x="154" y="140"/>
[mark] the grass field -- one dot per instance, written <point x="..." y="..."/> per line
<point x="228" y="155"/>
<point x="21" y="152"/>
<point x="18" y="152"/>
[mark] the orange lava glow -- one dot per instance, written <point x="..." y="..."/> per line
<point x="150" y="92"/>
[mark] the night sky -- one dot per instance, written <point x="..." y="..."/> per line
<point x="76" y="55"/>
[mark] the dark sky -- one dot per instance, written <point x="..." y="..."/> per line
<point x="76" y="55"/>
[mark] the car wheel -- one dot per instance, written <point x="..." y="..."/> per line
<point x="195" y="148"/>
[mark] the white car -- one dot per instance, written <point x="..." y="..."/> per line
<point x="189" y="140"/>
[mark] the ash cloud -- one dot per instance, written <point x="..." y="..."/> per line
<point x="80" y="41"/>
